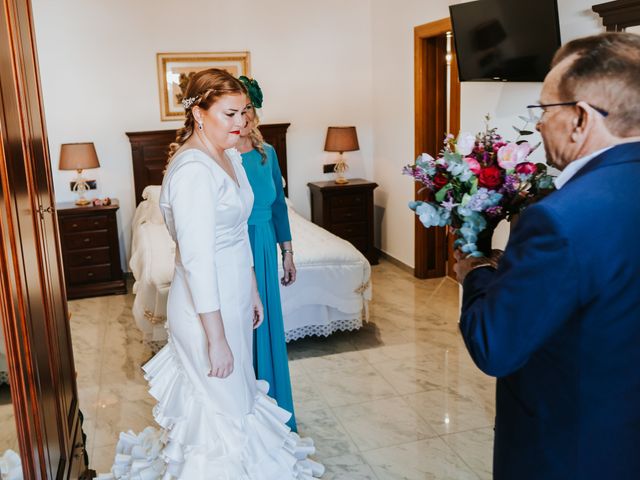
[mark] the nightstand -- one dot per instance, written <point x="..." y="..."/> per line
<point x="346" y="211"/>
<point x="90" y="250"/>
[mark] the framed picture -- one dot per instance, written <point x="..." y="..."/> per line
<point x="175" y="70"/>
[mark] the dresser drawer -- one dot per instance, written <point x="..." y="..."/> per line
<point x="347" y="200"/>
<point x="84" y="223"/>
<point x="90" y="256"/>
<point x="96" y="273"/>
<point x="79" y="240"/>
<point x="350" y="230"/>
<point x="347" y="214"/>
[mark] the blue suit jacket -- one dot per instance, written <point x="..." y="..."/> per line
<point x="559" y="324"/>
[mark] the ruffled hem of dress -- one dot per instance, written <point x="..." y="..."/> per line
<point x="197" y="442"/>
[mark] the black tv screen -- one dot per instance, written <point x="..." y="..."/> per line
<point x="508" y="40"/>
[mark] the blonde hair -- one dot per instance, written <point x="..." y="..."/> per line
<point x="204" y="89"/>
<point x="257" y="140"/>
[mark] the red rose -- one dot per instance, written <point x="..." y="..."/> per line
<point x="440" y="180"/>
<point x="490" y="177"/>
<point x="526" y="168"/>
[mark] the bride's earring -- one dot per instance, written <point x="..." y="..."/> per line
<point x="199" y="125"/>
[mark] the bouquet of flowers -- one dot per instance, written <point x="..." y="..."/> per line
<point x="476" y="182"/>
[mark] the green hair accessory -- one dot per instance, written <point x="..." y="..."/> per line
<point x="255" y="92"/>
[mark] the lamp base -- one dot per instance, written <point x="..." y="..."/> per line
<point x="339" y="169"/>
<point x="82" y="202"/>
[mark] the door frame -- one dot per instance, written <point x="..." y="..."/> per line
<point x="432" y="246"/>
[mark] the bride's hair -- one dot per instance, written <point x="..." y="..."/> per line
<point x="203" y="90"/>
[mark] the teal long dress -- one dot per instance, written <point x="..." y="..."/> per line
<point x="268" y="226"/>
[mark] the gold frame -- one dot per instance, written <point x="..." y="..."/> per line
<point x="171" y="64"/>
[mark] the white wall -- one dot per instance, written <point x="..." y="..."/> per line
<point x="99" y="79"/>
<point x="393" y="87"/>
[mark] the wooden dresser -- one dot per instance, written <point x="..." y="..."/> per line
<point x="90" y="250"/>
<point x="346" y="211"/>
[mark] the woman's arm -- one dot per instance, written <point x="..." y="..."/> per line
<point x="258" y="309"/>
<point x="219" y="352"/>
<point x="193" y="196"/>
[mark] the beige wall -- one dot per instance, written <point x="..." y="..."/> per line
<point x="393" y="24"/>
<point x="98" y="69"/>
<point x="316" y="67"/>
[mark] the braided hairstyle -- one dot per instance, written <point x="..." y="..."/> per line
<point x="204" y="88"/>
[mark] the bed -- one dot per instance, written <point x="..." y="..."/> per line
<point x="333" y="287"/>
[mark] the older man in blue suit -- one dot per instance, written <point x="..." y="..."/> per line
<point x="557" y="320"/>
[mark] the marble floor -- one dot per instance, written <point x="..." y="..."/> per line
<point x="398" y="399"/>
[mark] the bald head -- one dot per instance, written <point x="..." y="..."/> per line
<point x="604" y="70"/>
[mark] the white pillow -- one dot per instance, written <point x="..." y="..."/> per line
<point x="152" y="193"/>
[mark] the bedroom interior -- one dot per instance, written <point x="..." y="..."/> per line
<point x="381" y="378"/>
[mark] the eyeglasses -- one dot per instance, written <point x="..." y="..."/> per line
<point x="601" y="111"/>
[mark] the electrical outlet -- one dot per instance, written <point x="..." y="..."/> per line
<point x="92" y="185"/>
<point x="328" y="167"/>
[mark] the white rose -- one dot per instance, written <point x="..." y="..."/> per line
<point x="465" y="143"/>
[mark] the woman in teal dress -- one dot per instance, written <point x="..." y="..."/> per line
<point x="268" y="226"/>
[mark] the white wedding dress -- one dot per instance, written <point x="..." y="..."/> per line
<point x="212" y="428"/>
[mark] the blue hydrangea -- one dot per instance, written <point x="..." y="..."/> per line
<point x="431" y="215"/>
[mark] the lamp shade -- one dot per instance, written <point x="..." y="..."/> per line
<point x="341" y="139"/>
<point x="78" y="156"/>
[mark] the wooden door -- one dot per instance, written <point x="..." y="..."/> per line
<point x="437" y="112"/>
<point x="34" y="310"/>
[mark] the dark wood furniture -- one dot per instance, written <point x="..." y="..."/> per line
<point x="150" y="150"/>
<point x="346" y="211"/>
<point x="619" y="14"/>
<point x="90" y="250"/>
<point x="33" y="309"/>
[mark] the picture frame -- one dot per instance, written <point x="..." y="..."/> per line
<point x="174" y="70"/>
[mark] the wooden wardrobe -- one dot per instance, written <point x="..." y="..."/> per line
<point x="32" y="298"/>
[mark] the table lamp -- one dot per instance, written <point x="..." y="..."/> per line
<point x="341" y="139"/>
<point x="79" y="157"/>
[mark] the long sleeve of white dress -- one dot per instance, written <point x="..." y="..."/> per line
<point x="193" y="195"/>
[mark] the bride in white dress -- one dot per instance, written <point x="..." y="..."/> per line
<point x="218" y="422"/>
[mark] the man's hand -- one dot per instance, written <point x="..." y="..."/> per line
<point x="465" y="264"/>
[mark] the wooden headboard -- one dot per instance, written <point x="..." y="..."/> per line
<point x="150" y="151"/>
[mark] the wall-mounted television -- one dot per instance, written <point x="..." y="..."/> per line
<point x="507" y="40"/>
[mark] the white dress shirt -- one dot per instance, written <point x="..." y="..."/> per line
<point x="575" y="166"/>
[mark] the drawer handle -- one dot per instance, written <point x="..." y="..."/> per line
<point x="86" y="240"/>
<point x="96" y="223"/>
<point x="75" y="225"/>
<point x="88" y="257"/>
<point x="90" y="274"/>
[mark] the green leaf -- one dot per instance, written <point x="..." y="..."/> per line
<point x="526" y="132"/>
<point x="474" y="185"/>
<point x="443" y="192"/>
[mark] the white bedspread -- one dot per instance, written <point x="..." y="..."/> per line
<point x="331" y="292"/>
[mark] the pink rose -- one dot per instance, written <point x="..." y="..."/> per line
<point x="474" y="165"/>
<point x="512" y="154"/>
<point x="526" y="168"/>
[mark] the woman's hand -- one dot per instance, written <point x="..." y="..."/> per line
<point x="220" y="359"/>
<point x="289" y="270"/>
<point x="258" y="310"/>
